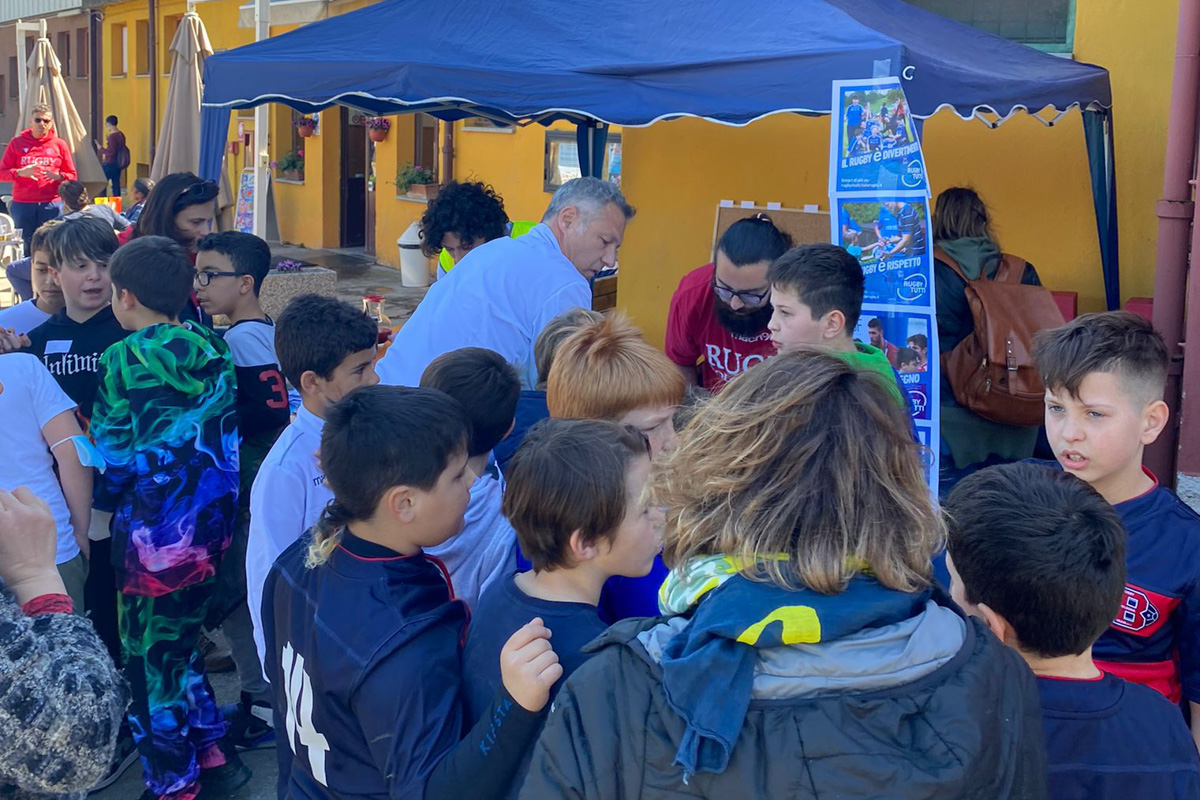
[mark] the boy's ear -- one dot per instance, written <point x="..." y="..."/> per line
<point x="308" y="382"/>
<point x="833" y="324"/>
<point x="126" y="298"/>
<point x="246" y="284"/>
<point x="400" y="504"/>
<point x="580" y="550"/>
<point x="1154" y="419"/>
<point x="997" y="624"/>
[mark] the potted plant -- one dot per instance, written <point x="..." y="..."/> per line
<point x="305" y="126"/>
<point x="291" y="166"/>
<point x="417" y="182"/>
<point x="289" y="278"/>
<point x="378" y="127"/>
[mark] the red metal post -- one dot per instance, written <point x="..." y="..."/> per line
<point x="1176" y="211"/>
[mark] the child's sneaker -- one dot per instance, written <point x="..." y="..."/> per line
<point x="251" y="723"/>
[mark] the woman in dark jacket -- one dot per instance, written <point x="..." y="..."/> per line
<point x="962" y="229"/>
<point x="804" y="652"/>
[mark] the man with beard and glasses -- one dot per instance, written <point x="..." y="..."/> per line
<point x="717" y="324"/>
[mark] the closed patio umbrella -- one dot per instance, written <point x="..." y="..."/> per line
<point x="45" y="85"/>
<point x="178" y="148"/>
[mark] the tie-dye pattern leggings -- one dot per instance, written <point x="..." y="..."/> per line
<point x="174" y="715"/>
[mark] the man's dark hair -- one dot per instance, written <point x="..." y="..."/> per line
<point x="157" y="271"/>
<point x="920" y="340"/>
<point x="472" y="210"/>
<point x="1119" y="342"/>
<point x="81" y="237"/>
<point x="824" y="277"/>
<point x="143" y="186"/>
<point x="1043" y="549"/>
<point x="41" y="238"/>
<point x="316" y="334"/>
<point x="424" y="430"/>
<point x="906" y="355"/>
<point x="569" y="475"/>
<point x="247" y="253"/>
<point x="111" y="119"/>
<point x="486" y="385"/>
<point x="72" y="194"/>
<point x="875" y="323"/>
<point x="753" y="240"/>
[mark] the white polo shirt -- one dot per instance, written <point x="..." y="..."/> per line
<point x="286" y="499"/>
<point x="499" y="296"/>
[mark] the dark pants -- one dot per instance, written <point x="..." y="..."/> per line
<point x="100" y="597"/>
<point x="174" y="715"/>
<point x="113" y="173"/>
<point x="30" y="216"/>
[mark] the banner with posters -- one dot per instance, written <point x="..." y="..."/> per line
<point x="879" y="199"/>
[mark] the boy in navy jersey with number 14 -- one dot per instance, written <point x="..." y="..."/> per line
<point x="1040" y="558"/>
<point x="363" y="634"/>
<point x="1104" y="376"/>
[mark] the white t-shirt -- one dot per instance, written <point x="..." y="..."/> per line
<point x="23" y="317"/>
<point x="286" y="499"/>
<point x="499" y="296"/>
<point x="29" y="399"/>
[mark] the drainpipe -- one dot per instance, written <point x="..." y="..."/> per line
<point x="447" y="152"/>
<point x="95" y="76"/>
<point x="152" y="39"/>
<point x="1176" y="211"/>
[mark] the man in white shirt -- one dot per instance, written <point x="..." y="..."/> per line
<point x="503" y="293"/>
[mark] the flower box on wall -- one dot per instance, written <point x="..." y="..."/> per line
<point x="294" y="175"/>
<point x="425" y="191"/>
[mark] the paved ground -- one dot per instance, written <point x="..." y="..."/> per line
<point x="358" y="275"/>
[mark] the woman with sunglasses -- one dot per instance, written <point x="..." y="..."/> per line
<point x="717" y="323"/>
<point x="36" y="161"/>
<point x="181" y="207"/>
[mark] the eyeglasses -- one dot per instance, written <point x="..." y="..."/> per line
<point x="749" y="299"/>
<point x="41" y="121"/>
<point x="205" y="277"/>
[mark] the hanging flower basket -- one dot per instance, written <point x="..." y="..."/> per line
<point x="378" y="127"/>
<point x="305" y="126"/>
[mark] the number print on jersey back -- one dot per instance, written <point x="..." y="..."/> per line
<point x="298" y="714"/>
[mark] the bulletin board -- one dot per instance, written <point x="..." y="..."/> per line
<point x="805" y="227"/>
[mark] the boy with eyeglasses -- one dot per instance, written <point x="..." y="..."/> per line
<point x="717" y="323"/>
<point x="230" y="269"/>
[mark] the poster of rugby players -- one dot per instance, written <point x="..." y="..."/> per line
<point x="876" y="146"/>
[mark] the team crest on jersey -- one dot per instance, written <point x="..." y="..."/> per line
<point x="1143" y="612"/>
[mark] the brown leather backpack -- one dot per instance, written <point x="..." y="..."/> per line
<point x="991" y="371"/>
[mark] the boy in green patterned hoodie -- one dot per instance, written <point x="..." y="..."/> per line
<point x="165" y="420"/>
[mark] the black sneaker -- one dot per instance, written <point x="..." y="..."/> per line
<point x="251" y="723"/>
<point x="218" y="783"/>
<point x="124" y="757"/>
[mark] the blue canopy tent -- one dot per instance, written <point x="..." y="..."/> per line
<point x="633" y="63"/>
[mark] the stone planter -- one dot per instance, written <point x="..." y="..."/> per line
<point x="425" y="191"/>
<point x="280" y="287"/>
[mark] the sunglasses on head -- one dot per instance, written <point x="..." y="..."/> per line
<point x="201" y="192"/>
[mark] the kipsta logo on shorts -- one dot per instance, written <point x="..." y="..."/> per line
<point x="1137" y="612"/>
<point x="913" y="288"/>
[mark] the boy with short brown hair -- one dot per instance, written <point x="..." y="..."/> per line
<point x="1104" y="376"/>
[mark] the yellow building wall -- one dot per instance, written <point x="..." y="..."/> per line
<point x="1034" y="178"/>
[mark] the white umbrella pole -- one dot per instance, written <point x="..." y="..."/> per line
<point x="23" y="28"/>
<point x="262" y="156"/>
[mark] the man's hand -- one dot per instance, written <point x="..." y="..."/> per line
<point x="28" y="544"/>
<point x="54" y="176"/>
<point x="27" y="171"/>
<point x="529" y="666"/>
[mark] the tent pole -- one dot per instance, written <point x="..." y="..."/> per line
<point x="262" y="154"/>
<point x="152" y="57"/>
<point x="1175" y="215"/>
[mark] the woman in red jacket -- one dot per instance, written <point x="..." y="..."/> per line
<point x="36" y="161"/>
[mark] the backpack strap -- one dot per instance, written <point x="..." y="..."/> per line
<point x="1011" y="269"/>
<point x="944" y="257"/>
